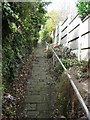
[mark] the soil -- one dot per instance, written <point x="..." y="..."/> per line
<point x="82" y="83"/>
<point x="12" y="109"/>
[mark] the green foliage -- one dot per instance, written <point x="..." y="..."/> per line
<point x="83" y="9"/>
<point x="52" y="19"/>
<point x="21" y="23"/>
<point x="45" y="36"/>
<point x="20" y="27"/>
<point x="58" y="68"/>
<point x="67" y="63"/>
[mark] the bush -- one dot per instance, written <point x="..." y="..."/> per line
<point x="83" y="9"/>
<point x="67" y="63"/>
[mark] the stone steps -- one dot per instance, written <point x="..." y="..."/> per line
<point x="37" y="101"/>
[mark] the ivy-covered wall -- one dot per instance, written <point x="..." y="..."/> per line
<point x="21" y="23"/>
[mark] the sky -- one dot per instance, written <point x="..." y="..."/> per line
<point x="63" y="6"/>
<point x="54" y="5"/>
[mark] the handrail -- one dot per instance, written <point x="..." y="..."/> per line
<point x="73" y="85"/>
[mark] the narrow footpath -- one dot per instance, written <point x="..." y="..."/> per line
<point x="38" y="98"/>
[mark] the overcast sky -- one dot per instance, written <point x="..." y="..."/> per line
<point x="64" y="6"/>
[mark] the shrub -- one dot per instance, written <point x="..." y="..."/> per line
<point x="83" y="9"/>
<point x="67" y="63"/>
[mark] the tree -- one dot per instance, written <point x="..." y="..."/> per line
<point x="53" y="18"/>
<point x="52" y="21"/>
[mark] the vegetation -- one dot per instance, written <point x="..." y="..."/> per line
<point x="83" y="9"/>
<point x="20" y="32"/>
<point x="21" y="25"/>
<point x="67" y="63"/>
<point x="63" y="98"/>
<point x="45" y="36"/>
<point x="52" y="21"/>
<point x="50" y="25"/>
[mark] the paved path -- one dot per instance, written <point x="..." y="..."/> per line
<point x="38" y="103"/>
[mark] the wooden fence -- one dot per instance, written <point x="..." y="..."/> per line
<point x="74" y="34"/>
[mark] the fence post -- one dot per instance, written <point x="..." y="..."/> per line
<point x="68" y="44"/>
<point x="55" y="42"/>
<point x="52" y="36"/>
<point x="79" y="41"/>
<point x="59" y="33"/>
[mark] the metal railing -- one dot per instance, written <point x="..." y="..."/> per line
<point x="73" y="85"/>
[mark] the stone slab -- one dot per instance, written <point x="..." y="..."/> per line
<point x="42" y="107"/>
<point x="30" y="107"/>
<point x="34" y="99"/>
<point x="32" y="114"/>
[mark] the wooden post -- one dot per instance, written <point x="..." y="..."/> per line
<point x="89" y="84"/>
<point x="59" y="33"/>
<point x="79" y="41"/>
<point x="55" y="36"/>
<point x="68" y="44"/>
<point x="52" y="36"/>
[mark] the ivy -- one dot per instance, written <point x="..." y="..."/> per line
<point x="21" y="25"/>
